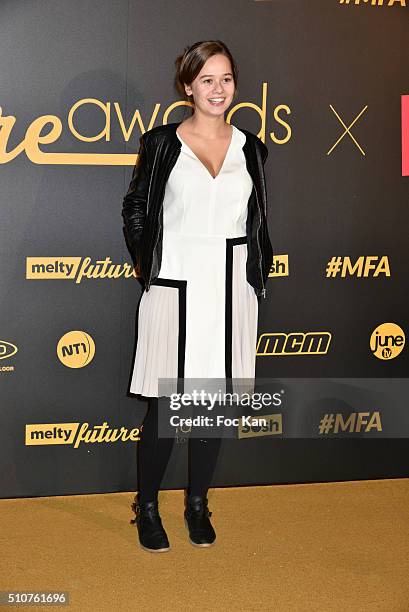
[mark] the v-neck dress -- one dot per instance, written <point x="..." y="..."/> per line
<point x="199" y="318"/>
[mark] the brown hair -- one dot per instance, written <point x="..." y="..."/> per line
<point x="189" y="63"/>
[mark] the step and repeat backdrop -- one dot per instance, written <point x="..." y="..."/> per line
<point x="325" y="84"/>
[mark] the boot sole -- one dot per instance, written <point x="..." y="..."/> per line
<point x="154" y="550"/>
<point x="204" y="545"/>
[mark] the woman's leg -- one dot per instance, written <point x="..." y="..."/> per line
<point x="203" y="455"/>
<point x="153" y="455"/>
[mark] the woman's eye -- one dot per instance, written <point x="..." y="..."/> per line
<point x="208" y="80"/>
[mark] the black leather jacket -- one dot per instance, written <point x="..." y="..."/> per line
<point x="142" y="209"/>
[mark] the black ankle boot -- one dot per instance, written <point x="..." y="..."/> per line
<point x="152" y="536"/>
<point x="201" y="532"/>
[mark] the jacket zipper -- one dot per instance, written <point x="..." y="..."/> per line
<point x="263" y="291"/>
<point x="153" y="252"/>
<point x="149" y="191"/>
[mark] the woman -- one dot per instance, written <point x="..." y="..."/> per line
<point x="195" y="222"/>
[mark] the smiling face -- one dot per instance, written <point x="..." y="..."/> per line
<point x="213" y="88"/>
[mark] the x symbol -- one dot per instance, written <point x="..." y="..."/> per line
<point x="347" y="129"/>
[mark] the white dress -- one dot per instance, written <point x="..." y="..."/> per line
<point x="199" y="317"/>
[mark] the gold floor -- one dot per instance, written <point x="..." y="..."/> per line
<point x="321" y="547"/>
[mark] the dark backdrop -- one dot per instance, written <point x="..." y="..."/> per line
<point x="310" y="66"/>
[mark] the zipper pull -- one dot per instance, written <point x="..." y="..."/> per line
<point x="263" y="293"/>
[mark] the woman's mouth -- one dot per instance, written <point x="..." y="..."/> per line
<point x="216" y="101"/>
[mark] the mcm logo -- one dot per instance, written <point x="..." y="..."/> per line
<point x="296" y="343"/>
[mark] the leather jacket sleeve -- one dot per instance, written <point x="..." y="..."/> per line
<point x="135" y="202"/>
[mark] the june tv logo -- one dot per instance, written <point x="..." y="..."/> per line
<point x="387" y="341"/>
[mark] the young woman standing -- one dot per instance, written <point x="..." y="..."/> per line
<point x="195" y="220"/>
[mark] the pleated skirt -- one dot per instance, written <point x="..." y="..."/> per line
<point x="199" y="317"/>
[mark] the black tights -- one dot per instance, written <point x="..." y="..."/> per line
<point x="154" y="453"/>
